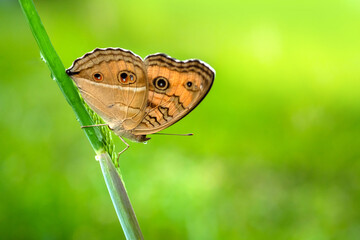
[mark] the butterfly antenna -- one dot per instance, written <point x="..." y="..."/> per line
<point x="175" y="134"/>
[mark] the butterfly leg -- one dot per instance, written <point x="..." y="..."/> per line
<point x="95" y="125"/>
<point x="127" y="146"/>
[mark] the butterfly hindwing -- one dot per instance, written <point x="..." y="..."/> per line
<point x="175" y="89"/>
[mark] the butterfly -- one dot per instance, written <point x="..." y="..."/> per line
<point x="138" y="97"/>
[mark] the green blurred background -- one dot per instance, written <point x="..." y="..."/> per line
<point x="276" y="148"/>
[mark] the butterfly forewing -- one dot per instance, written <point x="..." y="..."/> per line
<point x="113" y="82"/>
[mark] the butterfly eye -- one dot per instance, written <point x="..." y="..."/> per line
<point x="161" y="83"/>
<point x="126" y="77"/>
<point x="98" y="77"/>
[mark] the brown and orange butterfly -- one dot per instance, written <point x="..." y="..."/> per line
<point x="137" y="97"/>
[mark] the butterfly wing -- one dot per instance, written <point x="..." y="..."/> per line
<point x="175" y="89"/>
<point x="113" y="82"/>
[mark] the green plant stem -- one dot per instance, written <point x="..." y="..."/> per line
<point x="98" y="139"/>
<point x="119" y="198"/>
<point x="57" y="70"/>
